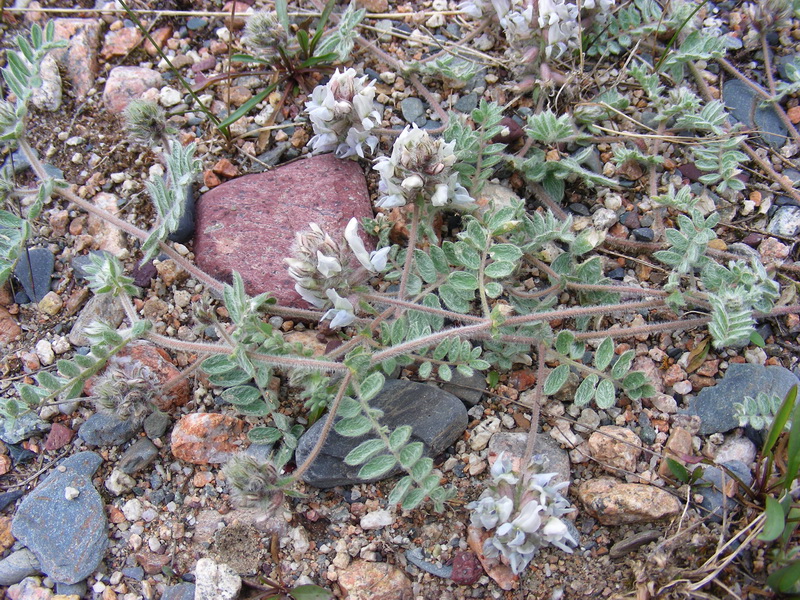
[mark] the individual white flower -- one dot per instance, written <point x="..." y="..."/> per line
<point x="529" y="519"/>
<point x="342" y="114"/>
<point x="374" y="261"/>
<point x="502" y="470"/>
<point x="327" y="265"/>
<point x="341" y="315"/>
<point x="419" y="164"/>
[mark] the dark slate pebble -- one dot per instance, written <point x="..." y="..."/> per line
<point x="72" y="589"/>
<point x="35" y="275"/>
<point x="416" y="558"/>
<point x="712" y="495"/>
<point x="185" y="229"/>
<point x="156" y="424"/>
<point x="740" y="99"/>
<point x="413" y="110"/>
<point x="714" y="404"/>
<point x="630" y="219"/>
<point x="180" y="591"/>
<point x="579" y="209"/>
<point x="18" y="454"/>
<point x="468" y="389"/>
<point x="7" y="498"/>
<point x="136" y="573"/>
<point x="437" y="419"/>
<point x="80" y="262"/>
<point x="195" y="23"/>
<point x="21" y="428"/>
<point x="617" y="274"/>
<point x="69" y="537"/>
<point x="17" y="566"/>
<point x="107" y="430"/>
<point x="467" y="103"/>
<point x="141" y="453"/>
<point x="372" y="74"/>
<point x="644" y="234"/>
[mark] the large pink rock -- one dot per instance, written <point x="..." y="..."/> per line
<point x="203" y="438"/>
<point x="126" y="84"/>
<point x="79" y="58"/>
<point x="249" y="224"/>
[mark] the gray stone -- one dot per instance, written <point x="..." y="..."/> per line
<point x="68" y="537"/>
<point x="81" y="261"/>
<point x="84" y="463"/>
<point x="141" y="454"/>
<point x="180" y="591"/>
<point x="17" y="566"/>
<point x="714" y="501"/>
<point x="743" y="102"/>
<point x="436" y="417"/>
<point x="785" y="221"/>
<point x="467" y="103"/>
<point x="156" y="424"/>
<point x="21" y="428"/>
<point x="48" y="95"/>
<point x="103" y="307"/>
<point x="415" y="557"/>
<point x="107" y="430"/>
<point x="714" y="405"/>
<point x="35" y="275"/>
<point x="136" y="573"/>
<point x="413" y="111"/>
<point x="468" y="389"/>
<point x="72" y="589"/>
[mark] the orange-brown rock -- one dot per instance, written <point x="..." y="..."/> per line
<point x="364" y="580"/>
<point x="613" y="503"/>
<point x="203" y="438"/>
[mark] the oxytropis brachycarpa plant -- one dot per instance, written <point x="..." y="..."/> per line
<point x="525" y="512"/>
<point x="458" y="305"/>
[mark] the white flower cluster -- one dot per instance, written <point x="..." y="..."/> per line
<point x="557" y="21"/>
<point x="525" y="512"/>
<point x="419" y="164"/>
<point x="320" y="267"/>
<point x="342" y="114"/>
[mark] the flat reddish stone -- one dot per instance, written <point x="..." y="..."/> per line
<point x="128" y="83"/>
<point x="203" y="438"/>
<point x="249" y="224"/>
<point x="152" y="362"/>
<point x="160" y="36"/>
<point x="152" y="563"/>
<point x="59" y="436"/>
<point x="120" y="42"/>
<point x="80" y="56"/>
<point x="9" y="328"/>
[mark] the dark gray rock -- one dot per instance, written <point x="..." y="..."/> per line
<point x="34" y="274"/>
<point x="436" y="417"/>
<point x="714" y="405"/>
<point x="136" y="573"/>
<point x="180" y="591"/>
<point x="416" y="558"/>
<point x="21" y="428"/>
<point x="156" y="424"/>
<point x="68" y="537"/>
<point x="413" y="110"/>
<point x="7" y="498"/>
<point x="714" y="501"/>
<point x="466" y="104"/>
<point x="17" y="566"/>
<point x="743" y="102"/>
<point x="84" y="463"/>
<point x="468" y="389"/>
<point x="72" y="589"/>
<point x="80" y="262"/>
<point x="785" y="222"/>
<point x="185" y="229"/>
<point x="107" y="430"/>
<point x="141" y="453"/>
<point x="644" y="234"/>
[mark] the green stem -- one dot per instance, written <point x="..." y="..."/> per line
<point x="481" y="284"/>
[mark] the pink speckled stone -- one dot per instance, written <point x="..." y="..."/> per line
<point x="249" y="224"/>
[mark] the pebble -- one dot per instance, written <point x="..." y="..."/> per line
<point x="616" y="448"/>
<point x="376" y="520"/>
<point x="103" y="307"/>
<point x="48" y="95"/>
<point x="483" y="432"/>
<point x="156" y="424"/>
<point x="364" y="580"/>
<point x="169" y="97"/>
<point x="68" y="537"/>
<point x="132" y="510"/>
<point x="180" y="591"/>
<point x="716" y="496"/>
<point x="107" y="430"/>
<point x="416" y="558"/>
<point x="413" y="111"/>
<point x="125" y="84"/>
<point x="436" y="417"/>
<point x="140" y="455"/>
<point x="215" y="581"/>
<point x="119" y="483"/>
<point x="17" y="566"/>
<point x="614" y="503"/>
<point x="44" y="350"/>
<point x="203" y="438"/>
<point x="736" y="448"/>
<point x="469" y="389"/>
<point x="33" y="271"/>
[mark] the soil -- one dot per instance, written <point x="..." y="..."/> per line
<point x="326" y="522"/>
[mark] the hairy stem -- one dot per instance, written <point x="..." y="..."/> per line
<point x="535" y="407"/>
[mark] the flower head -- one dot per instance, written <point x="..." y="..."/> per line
<point x="264" y="33"/>
<point x="342" y="114"/>
<point x="253" y="483"/>
<point x="420" y="164"/>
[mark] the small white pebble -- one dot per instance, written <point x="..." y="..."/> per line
<point x="77" y="158"/>
<point x="70" y="493"/>
<point x="388" y="77"/>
